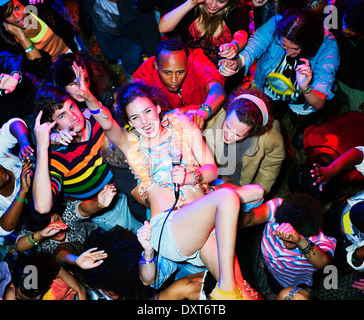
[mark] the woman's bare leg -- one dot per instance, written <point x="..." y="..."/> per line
<point x="209" y="256"/>
<point x="193" y="224"/>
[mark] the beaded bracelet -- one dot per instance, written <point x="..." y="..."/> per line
<point x="197" y="175"/>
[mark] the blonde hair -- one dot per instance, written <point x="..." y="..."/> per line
<point x="211" y="23"/>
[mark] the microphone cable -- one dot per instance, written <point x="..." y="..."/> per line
<point x="176" y="194"/>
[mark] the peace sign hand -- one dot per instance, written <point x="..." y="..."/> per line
<point x="42" y="131"/>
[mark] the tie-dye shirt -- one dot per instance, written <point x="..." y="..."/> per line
<point x="290" y="267"/>
<point x="78" y="169"/>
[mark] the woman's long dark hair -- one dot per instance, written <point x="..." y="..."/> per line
<point x="302" y="28"/>
<point x="128" y="93"/>
<point x="7" y="40"/>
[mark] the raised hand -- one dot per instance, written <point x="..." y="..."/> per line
<point x="25" y="178"/>
<point x="64" y="137"/>
<point x="42" y="131"/>
<point x="105" y="196"/>
<point x="82" y="89"/>
<point x="52" y="229"/>
<point x="91" y="258"/>
<point x="143" y="235"/>
<point x="304" y="74"/>
<point x="25" y="152"/>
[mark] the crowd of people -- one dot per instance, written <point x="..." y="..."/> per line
<point x="138" y="190"/>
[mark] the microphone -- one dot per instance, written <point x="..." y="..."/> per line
<point x="176" y="161"/>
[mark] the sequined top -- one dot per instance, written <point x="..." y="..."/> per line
<point x="152" y="166"/>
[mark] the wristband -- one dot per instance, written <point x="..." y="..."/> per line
<point x="20" y="75"/>
<point x="237" y="45"/>
<point x="30" y="48"/>
<point x="98" y="111"/>
<point x="143" y="261"/>
<point x="35" y="242"/>
<point x="21" y="200"/>
<point x="308" y="90"/>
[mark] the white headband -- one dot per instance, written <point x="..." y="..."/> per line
<point x="259" y="102"/>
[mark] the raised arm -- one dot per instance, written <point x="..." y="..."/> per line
<point x="171" y="19"/>
<point x="216" y="96"/>
<point x="31" y="52"/>
<point x="104" y="197"/>
<point x="117" y="135"/>
<point x="20" y="131"/>
<point x="42" y="190"/>
<point x="147" y="266"/>
<point x="10" y="218"/>
<point x="28" y="241"/>
<point x="238" y="43"/>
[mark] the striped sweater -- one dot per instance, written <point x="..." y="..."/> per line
<point x="290" y="267"/>
<point x="77" y="169"/>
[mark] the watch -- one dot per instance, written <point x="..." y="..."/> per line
<point x="206" y="107"/>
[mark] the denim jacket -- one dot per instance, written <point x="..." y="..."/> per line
<point x="266" y="48"/>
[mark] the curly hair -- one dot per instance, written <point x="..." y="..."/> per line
<point x="128" y="93"/>
<point x="303" y="212"/>
<point x="47" y="270"/>
<point x="124" y="96"/>
<point x="248" y="112"/>
<point x="302" y="28"/>
<point x="119" y="272"/>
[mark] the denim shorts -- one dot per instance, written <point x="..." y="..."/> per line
<point x="168" y="246"/>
